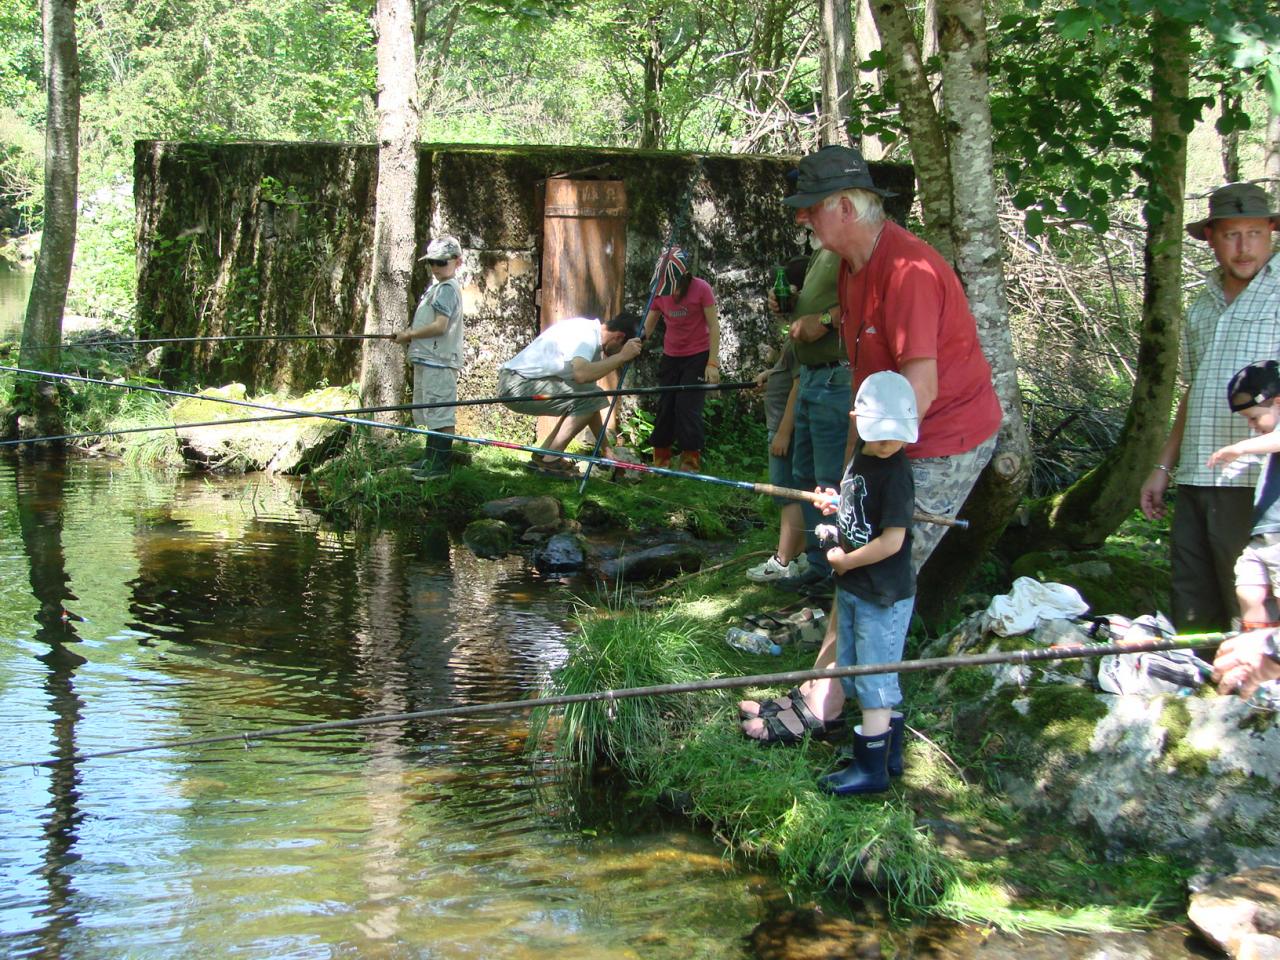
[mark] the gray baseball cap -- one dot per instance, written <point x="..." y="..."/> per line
<point x="442" y="248"/>
<point x="830" y="169"/>
<point x="1235" y="200"/>
<point x="885" y="408"/>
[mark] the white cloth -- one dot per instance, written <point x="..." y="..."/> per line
<point x="1031" y="601"/>
<point x="552" y="353"/>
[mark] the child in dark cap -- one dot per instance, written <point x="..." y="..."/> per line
<point x="1254" y="393"/>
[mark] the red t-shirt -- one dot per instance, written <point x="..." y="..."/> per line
<point x="907" y="304"/>
<point x="686" y="319"/>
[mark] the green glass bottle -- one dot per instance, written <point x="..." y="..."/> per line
<point x="781" y="289"/>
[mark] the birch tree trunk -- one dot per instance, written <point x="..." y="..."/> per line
<point x="382" y="370"/>
<point x="837" y="71"/>
<point x="920" y="117"/>
<point x="980" y="263"/>
<point x="37" y="404"/>
<point x="866" y="41"/>
<point x="1094" y="506"/>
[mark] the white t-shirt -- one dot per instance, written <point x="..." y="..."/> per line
<point x="552" y="353"/>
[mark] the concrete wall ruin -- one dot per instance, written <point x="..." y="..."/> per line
<point x="276" y="238"/>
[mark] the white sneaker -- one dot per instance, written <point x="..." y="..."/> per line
<point x="772" y="570"/>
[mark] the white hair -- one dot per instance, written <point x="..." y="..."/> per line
<point x="867" y="205"/>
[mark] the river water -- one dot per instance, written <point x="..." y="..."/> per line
<point x="141" y="608"/>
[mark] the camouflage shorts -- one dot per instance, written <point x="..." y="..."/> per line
<point x="942" y="486"/>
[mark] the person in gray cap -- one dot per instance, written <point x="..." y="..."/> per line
<point x="435" y="352"/>
<point x="1234" y="321"/>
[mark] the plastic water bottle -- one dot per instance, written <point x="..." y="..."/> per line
<point x="751" y="642"/>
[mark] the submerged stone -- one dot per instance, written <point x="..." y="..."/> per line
<point x="488" y="539"/>
<point x="1240" y="914"/>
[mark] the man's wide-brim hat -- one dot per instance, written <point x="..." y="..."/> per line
<point x="1246" y="200"/>
<point x="830" y="169"/>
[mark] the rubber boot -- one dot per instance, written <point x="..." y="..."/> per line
<point x="691" y="461"/>
<point x="869" y="772"/>
<point x="662" y="457"/>
<point x="439" y="458"/>
<point x="897" y="736"/>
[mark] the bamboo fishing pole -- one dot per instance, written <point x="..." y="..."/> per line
<point x="817" y="498"/>
<point x="391" y="408"/>
<point x="792" y="677"/>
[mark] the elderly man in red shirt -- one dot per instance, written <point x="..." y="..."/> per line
<point x="903" y="309"/>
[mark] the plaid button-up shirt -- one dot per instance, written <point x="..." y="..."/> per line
<point x="1218" y="339"/>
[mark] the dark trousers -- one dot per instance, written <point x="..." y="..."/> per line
<point x="1210" y="527"/>
<point x="680" y="412"/>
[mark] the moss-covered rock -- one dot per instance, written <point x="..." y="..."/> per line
<point x="489" y="539"/>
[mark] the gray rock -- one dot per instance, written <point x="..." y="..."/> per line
<point x="563" y="553"/>
<point x="523" y="513"/>
<point x="1240" y="914"/>
<point x="666" y="560"/>
<point x="489" y="539"/>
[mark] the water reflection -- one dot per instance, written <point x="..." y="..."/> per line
<point x="143" y="608"/>
<point x="213" y="606"/>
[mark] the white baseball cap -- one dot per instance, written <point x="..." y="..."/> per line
<point x="885" y="408"/>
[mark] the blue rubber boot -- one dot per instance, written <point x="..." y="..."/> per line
<point x="868" y="773"/>
<point x="897" y="736"/>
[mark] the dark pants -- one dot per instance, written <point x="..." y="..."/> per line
<point x="1210" y="527"/>
<point x="680" y="412"/>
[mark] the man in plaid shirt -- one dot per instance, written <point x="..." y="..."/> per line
<point x="1235" y="321"/>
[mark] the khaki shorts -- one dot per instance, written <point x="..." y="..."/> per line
<point x="435" y="385"/>
<point x="1259" y="564"/>
<point x="563" y="397"/>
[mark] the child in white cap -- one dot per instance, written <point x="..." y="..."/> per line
<point x="875" y="582"/>
<point x="435" y="352"/>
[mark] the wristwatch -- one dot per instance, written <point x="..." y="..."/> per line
<point x="825" y="319"/>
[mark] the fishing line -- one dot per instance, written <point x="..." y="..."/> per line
<point x="391" y="408"/>
<point x="792" y="677"/>
<point x="818" y="499"/>
<point x="237" y="337"/>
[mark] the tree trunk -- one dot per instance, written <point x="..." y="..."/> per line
<point x="980" y="264"/>
<point x="920" y="117"/>
<point x="837" y="71"/>
<point x="382" y="372"/>
<point x="866" y="41"/>
<point x="654" y="69"/>
<point x="37" y="404"/>
<point x="1230" y="142"/>
<point x="1095" y="505"/>
<point x="1271" y="152"/>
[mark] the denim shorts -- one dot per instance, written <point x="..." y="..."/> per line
<point x="867" y="633"/>
<point x="780" y="475"/>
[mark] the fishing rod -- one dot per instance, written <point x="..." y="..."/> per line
<point x="793" y="677"/>
<point x="391" y="408"/>
<point x="231" y="337"/>
<point x="818" y="499"/>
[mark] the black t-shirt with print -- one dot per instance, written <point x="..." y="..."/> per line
<point x="1266" y="498"/>
<point x="876" y="493"/>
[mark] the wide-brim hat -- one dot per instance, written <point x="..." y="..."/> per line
<point x="830" y="169"/>
<point x="1247" y="200"/>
